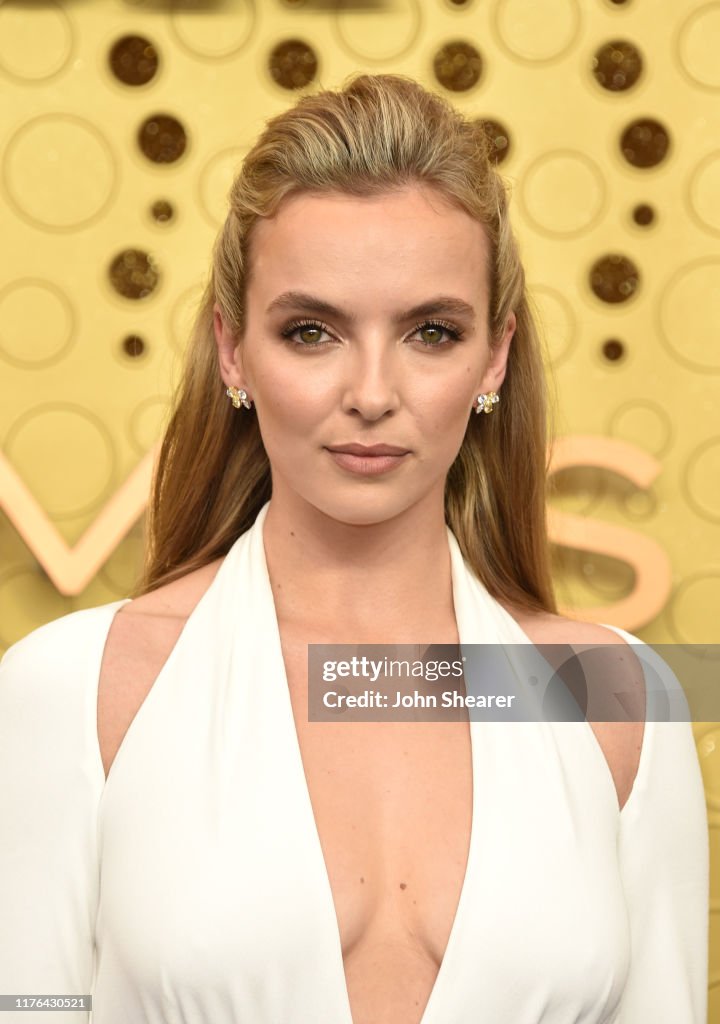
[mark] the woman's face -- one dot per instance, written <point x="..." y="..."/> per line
<point x="337" y="350"/>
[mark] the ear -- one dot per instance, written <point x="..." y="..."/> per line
<point x="229" y="351"/>
<point x="495" y="371"/>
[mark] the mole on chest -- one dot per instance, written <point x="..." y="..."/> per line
<point x="392" y="803"/>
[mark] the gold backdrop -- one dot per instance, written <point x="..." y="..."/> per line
<point x="122" y="122"/>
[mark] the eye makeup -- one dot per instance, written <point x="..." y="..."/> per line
<point x="456" y="333"/>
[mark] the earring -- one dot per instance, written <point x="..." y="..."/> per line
<point x="239" y="397"/>
<point x="485" y="402"/>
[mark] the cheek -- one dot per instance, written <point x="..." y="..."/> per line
<point x="293" y="401"/>
<point x="446" y="402"/>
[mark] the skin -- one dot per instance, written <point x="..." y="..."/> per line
<point x="329" y="531"/>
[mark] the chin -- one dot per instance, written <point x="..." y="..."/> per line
<point x="354" y="511"/>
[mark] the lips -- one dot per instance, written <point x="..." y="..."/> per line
<point x="368" y="450"/>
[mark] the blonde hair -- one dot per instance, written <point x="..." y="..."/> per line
<point x="376" y="133"/>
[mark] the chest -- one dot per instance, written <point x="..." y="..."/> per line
<point x="392" y="803"/>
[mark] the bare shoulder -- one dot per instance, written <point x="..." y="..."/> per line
<point x="145" y="629"/>
<point x="139" y="641"/>
<point x="548" y="628"/>
<point x="619" y="741"/>
<point x="177" y="599"/>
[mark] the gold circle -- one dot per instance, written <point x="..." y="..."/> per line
<point x="563" y="193"/>
<point x="182" y="316"/>
<point x="690" y="288"/>
<point x="147" y="423"/>
<point x="381" y="35"/>
<point x="67" y="456"/>
<point x="537" y="33"/>
<point x="703" y="190"/>
<point x="691" y="611"/>
<point x="557" y="322"/>
<point x="701" y="480"/>
<point x="697" y="46"/>
<point x="36" y="323"/>
<point x="217" y="36"/>
<point x="35" y="44"/>
<point x="645" y="424"/>
<point x="59" y="172"/>
<point x="215" y="181"/>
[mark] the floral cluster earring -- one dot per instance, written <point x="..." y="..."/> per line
<point x="485" y="402"/>
<point x="239" y="397"/>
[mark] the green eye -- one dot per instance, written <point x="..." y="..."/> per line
<point x="439" y="326"/>
<point x="301" y="327"/>
<point x="305" y="330"/>
<point x="431" y="328"/>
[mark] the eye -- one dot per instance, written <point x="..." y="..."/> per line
<point x="306" y="326"/>
<point x="438" y="326"/>
<point x="317" y="326"/>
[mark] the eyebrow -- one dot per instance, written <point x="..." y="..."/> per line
<point x="440" y="304"/>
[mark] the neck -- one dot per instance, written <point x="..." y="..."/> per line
<point x="392" y="576"/>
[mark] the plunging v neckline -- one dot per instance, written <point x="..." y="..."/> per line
<point x="329" y="910"/>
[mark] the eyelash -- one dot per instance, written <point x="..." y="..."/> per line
<point x="455" y="333"/>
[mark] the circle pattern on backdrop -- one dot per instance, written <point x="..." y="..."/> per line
<point x="20" y="56"/>
<point x="697" y="50"/>
<point x="385" y="34"/>
<point x="133" y="60"/>
<point x="134" y="274"/>
<point x="692" y="287"/>
<point x="215" y="179"/>
<point x="293" y="64"/>
<point x="563" y="193"/>
<point x="617" y="65"/>
<point x="702" y="192"/>
<point x="537" y="33"/>
<point x="224" y="35"/>
<point x="59" y="172"/>
<point x="36" y="323"/>
<point x="67" y="457"/>
<point x="162" y="139"/>
<point x="458" y="66"/>
<point x="645" y="142"/>
<point x="162" y="211"/>
<point x="614" y="278"/>
<point x="498" y="137"/>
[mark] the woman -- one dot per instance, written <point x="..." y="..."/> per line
<point x="240" y="862"/>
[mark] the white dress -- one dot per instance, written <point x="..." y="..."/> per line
<point x="191" y="888"/>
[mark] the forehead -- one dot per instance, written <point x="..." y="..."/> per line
<point x="398" y="238"/>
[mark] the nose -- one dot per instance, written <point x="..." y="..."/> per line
<point x="371" y="387"/>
